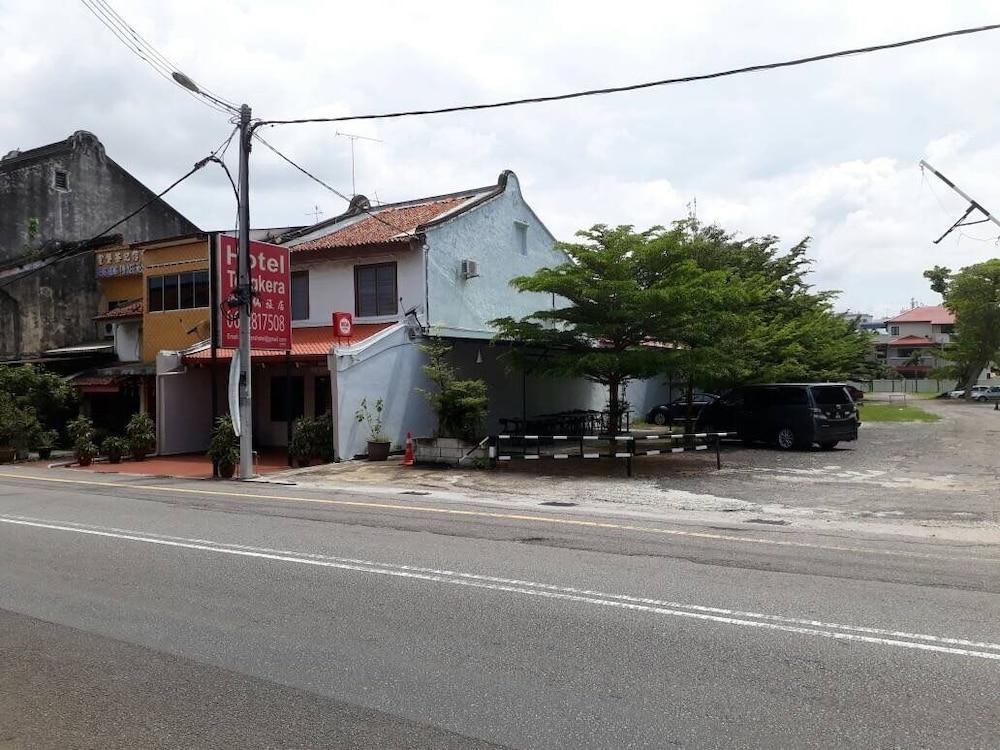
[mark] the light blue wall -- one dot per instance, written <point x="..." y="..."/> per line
<point x="390" y="369"/>
<point x="487" y="235"/>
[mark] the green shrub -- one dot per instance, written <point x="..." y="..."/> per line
<point x="460" y="405"/>
<point x="114" y="448"/>
<point x="312" y="438"/>
<point x="224" y="448"/>
<point x="141" y="434"/>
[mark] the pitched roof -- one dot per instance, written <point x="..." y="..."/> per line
<point x="312" y="342"/>
<point x="933" y="314"/>
<point x="131" y="309"/>
<point x="364" y="224"/>
<point x="912" y="341"/>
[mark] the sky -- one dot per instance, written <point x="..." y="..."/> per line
<point x="828" y="150"/>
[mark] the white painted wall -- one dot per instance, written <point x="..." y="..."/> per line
<point x="128" y="340"/>
<point x="487" y="235"/>
<point x="331" y="285"/>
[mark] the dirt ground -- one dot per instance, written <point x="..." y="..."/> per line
<point x="940" y="479"/>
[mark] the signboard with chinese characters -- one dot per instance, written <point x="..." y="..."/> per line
<point x="270" y="277"/>
<point x="118" y="262"/>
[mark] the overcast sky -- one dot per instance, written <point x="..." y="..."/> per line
<point x="828" y="150"/>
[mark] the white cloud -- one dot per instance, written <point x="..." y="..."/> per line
<point x="827" y="150"/>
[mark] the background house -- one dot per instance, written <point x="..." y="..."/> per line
<point x="65" y="191"/>
<point x="916" y="339"/>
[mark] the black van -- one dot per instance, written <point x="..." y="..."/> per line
<point x="792" y="415"/>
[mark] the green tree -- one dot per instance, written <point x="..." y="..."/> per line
<point x="620" y="301"/>
<point x="973" y="295"/>
<point x="46" y="395"/>
<point x="460" y="405"/>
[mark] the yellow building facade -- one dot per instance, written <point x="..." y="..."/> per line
<point x="176" y="293"/>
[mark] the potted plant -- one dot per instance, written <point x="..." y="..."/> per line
<point x="312" y="439"/>
<point x="114" y="448"/>
<point x="224" y="448"/>
<point x="45" y="443"/>
<point x="81" y="432"/>
<point x="378" y="444"/>
<point x="301" y="448"/>
<point x="84" y="452"/>
<point x="141" y="435"/>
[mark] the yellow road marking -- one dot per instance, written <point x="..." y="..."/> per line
<point x="501" y="516"/>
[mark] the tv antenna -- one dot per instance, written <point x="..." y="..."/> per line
<point x="352" y="137"/>
<point x="973" y="205"/>
<point x="315" y="213"/>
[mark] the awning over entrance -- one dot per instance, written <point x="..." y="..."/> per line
<point x="311" y="344"/>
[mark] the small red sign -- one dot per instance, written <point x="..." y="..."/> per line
<point x="270" y="278"/>
<point x="343" y="324"/>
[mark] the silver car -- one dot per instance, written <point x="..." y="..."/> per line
<point x="991" y="393"/>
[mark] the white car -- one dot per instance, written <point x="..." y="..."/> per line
<point x="976" y="390"/>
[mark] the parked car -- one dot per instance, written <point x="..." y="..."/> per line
<point x="976" y="390"/>
<point x="677" y="410"/>
<point x="790" y="415"/>
<point x="990" y="394"/>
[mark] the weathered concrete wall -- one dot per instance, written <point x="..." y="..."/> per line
<point x="388" y="369"/>
<point x="488" y="234"/>
<point x="54" y="308"/>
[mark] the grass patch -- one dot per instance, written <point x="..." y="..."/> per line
<point x="894" y="412"/>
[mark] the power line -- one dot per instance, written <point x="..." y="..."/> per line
<point x="153" y="50"/>
<point x="83" y="247"/>
<point x="645" y="85"/>
<point x="332" y="189"/>
<point x="136" y="44"/>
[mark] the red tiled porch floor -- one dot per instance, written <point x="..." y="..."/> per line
<point x="190" y="465"/>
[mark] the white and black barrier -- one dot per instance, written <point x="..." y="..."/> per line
<point x="627" y="446"/>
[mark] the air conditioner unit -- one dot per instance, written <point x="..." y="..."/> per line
<point x="470" y="269"/>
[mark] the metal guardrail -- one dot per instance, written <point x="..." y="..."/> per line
<point x="627" y="446"/>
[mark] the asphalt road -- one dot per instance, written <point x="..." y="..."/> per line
<point x="149" y="612"/>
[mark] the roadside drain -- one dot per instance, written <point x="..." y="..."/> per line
<point x="414" y="492"/>
<point x="558" y="503"/>
<point x="769" y="521"/>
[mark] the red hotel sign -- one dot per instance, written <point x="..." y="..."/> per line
<point x="270" y="276"/>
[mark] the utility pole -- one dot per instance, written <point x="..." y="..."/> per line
<point x="245" y="292"/>
<point x="973" y="205"/>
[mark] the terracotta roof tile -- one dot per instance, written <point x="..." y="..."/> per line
<point x="933" y="314"/>
<point x="312" y="342"/>
<point x="392" y="225"/>
<point x="131" y="309"/>
<point x="912" y="341"/>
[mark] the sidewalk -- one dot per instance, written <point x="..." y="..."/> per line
<point x="188" y="466"/>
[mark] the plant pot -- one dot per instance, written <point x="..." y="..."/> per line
<point x="84" y="461"/>
<point x="139" y="455"/>
<point x="302" y="462"/>
<point x="44" y="454"/>
<point x="227" y="470"/>
<point x="6" y="454"/>
<point x="114" y="458"/>
<point x="378" y="450"/>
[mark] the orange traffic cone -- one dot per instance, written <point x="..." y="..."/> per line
<point x="408" y="456"/>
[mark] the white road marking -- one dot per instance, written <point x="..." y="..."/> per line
<point x="919" y="641"/>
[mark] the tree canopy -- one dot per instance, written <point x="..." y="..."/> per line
<point x="692" y="300"/>
<point x="973" y="295"/>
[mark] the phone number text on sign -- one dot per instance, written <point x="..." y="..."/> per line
<point x="270" y="277"/>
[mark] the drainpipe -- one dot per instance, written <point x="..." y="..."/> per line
<point x="427" y="291"/>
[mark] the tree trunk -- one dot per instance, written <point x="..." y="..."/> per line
<point x="971" y="377"/>
<point x="689" y="412"/>
<point x="614" y="405"/>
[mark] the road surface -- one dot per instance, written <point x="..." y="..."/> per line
<point x="139" y="611"/>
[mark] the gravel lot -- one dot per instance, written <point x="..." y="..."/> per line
<point x="934" y="479"/>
